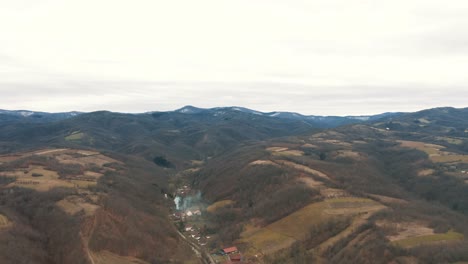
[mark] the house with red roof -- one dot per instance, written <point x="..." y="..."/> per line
<point x="230" y="250"/>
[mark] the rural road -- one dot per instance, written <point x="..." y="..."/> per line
<point x="201" y="253"/>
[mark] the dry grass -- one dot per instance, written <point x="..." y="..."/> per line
<point x="411" y="234"/>
<point x="426" y="172"/>
<point x="283" y="151"/>
<point x="75" y="136"/>
<point x="86" y="152"/>
<point x="264" y="162"/>
<point x="359" y="142"/>
<point x="333" y="193"/>
<point x="48" y="180"/>
<point x="430" y="149"/>
<point x="106" y="257"/>
<point x="303" y="168"/>
<point x="75" y="204"/>
<point x="310" y="182"/>
<point x="197" y="162"/>
<point x="218" y="205"/>
<point x="434" y="152"/>
<point x="82" y="184"/>
<point x="428" y="239"/>
<point x="42" y="180"/>
<point x="98" y="160"/>
<point x="450" y="140"/>
<point x="406" y="230"/>
<point x="357" y="222"/>
<point x="4" y="222"/>
<point x="349" y="154"/>
<point x="296" y="226"/>
<point x="293" y="152"/>
<point x="276" y="149"/>
<point x="424" y="121"/>
<point x="449" y="158"/>
<point x="50" y="151"/>
<point x="388" y="199"/>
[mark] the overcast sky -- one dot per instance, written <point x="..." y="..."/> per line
<point x="326" y="57"/>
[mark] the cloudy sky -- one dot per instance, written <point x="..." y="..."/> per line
<point x="328" y="57"/>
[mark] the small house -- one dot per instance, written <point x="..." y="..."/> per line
<point x="235" y="257"/>
<point x="230" y="250"/>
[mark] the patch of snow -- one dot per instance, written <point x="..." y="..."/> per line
<point x="276" y="114"/>
<point x="26" y="113"/>
<point x="185" y="111"/>
<point x="362" y="118"/>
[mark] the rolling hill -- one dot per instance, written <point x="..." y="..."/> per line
<point x="282" y="187"/>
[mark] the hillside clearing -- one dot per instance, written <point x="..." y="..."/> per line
<point x="4" y="222"/>
<point x="75" y="136"/>
<point x="297" y="225"/>
<point x="75" y="204"/>
<point x="434" y="152"/>
<point x="106" y="257"/>
<point x="218" y="205"/>
<point x="263" y="162"/>
<point x="45" y="182"/>
<point x="428" y="239"/>
<point x="303" y="168"/>
<point x="426" y="172"/>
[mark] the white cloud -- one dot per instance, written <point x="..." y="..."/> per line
<point x="272" y="55"/>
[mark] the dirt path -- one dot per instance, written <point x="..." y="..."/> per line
<point x="84" y="241"/>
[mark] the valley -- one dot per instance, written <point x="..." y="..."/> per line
<point x="213" y="186"/>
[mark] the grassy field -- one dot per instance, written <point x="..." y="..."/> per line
<point x="450" y="158"/>
<point x="218" y="205"/>
<point x="428" y="239"/>
<point x="263" y="162"/>
<point x="289" y="153"/>
<point x="41" y="179"/>
<point x="434" y="152"/>
<point x="303" y="168"/>
<point x="450" y="140"/>
<point x="77" y="135"/>
<point x="296" y="226"/>
<point x="430" y="149"/>
<point x="37" y="178"/>
<point x="105" y="257"/>
<point x="4" y="222"/>
<point x="75" y="204"/>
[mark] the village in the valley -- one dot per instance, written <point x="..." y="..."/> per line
<point x="188" y="217"/>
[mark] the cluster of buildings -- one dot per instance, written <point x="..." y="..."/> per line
<point x="233" y="255"/>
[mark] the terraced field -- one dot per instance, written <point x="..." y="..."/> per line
<point x="428" y="239"/>
<point x="284" y="232"/>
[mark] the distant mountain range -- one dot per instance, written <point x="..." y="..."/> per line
<point x="33" y="116"/>
<point x="317" y="121"/>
